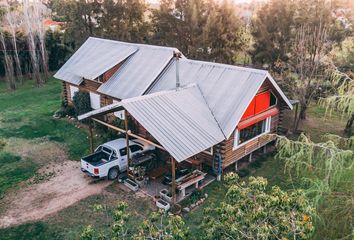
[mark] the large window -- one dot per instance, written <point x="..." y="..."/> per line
<point x="246" y="134"/>
<point x="73" y="90"/>
<point x="95" y="100"/>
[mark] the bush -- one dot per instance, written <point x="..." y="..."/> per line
<point x="256" y="164"/>
<point x="244" y="172"/>
<point x="81" y="102"/>
<point x="65" y="110"/>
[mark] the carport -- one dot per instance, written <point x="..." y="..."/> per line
<point x="180" y="128"/>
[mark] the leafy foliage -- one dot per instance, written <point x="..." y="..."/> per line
<point x="158" y="226"/>
<point x="327" y="171"/>
<point x="81" y="101"/>
<point x="252" y="212"/>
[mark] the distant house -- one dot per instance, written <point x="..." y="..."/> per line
<point x="53" y="25"/>
<point x="217" y="114"/>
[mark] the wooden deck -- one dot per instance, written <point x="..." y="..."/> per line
<point x="153" y="187"/>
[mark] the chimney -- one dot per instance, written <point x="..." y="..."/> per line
<point x="177" y="55"/>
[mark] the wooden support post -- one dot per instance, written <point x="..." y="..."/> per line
<point x="236" y="166"/>
<point x="127" y="138"/>
<point x="250" y="157"/>
<point x="295" y="117"/>
<point x="91" y="137"/>
<point x="173" y="164"/>
<point x="265" y="149"/>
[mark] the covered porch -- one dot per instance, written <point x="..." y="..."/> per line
<point x="174" y="172"/>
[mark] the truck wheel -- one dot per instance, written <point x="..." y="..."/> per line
<point x="113" y="173"/>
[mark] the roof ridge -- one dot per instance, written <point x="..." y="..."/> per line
<point x="212" y="113"/>
<point x="248" y="69"/>
<point x="134" y="44"/>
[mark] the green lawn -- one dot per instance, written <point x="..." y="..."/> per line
<point x="14" y="170"/>
<point x="27" y="113"/>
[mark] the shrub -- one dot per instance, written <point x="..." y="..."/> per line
<point x="256" y="164"/>
<point x="65" y="110"/>
<point x="81" y="102"/>
<point x="243" y="172"/>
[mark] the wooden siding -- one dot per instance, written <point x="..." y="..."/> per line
<point x="231" y="155"/>
<point x="226" y="148"/>
<point x="107" y="75"/>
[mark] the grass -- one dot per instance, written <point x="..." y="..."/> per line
<point x="27" y="113"/>
<point x="70" y="222"/>
<point x="318" y="122"/>
<point x="14" y="170"/>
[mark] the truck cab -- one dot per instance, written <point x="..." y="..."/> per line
<point x="110" y="158"/>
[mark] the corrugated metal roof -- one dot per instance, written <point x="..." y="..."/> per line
<point x="179" y="120"/>
<point x="103" y="110"/>
<point x="93" y="58"/>
<point x="227" y="89"/>
<point x="138" y="72"/>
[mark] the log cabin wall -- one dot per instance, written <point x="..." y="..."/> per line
<point x="231" y="155"/>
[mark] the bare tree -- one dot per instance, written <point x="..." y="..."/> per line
<point x="31" y="38"/>
<point x="305" y="68"/>
<point x="9" y="69"/>
<point x="13" y="21"/>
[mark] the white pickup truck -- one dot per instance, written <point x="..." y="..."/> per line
<point x="110" y="158"/>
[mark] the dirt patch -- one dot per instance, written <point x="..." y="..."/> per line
<point x="68" y="186"/>
<point x="40" y="150"/>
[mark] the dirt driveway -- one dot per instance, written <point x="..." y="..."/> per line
<point x="67" y="186"/>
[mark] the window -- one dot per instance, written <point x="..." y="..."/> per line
<point x="135" y="148"/>
<point x="95" y="100"/>
<point x="106" y="150"/>
<point x="123" y="152"/>
<point x="209" y="151"/>
<point x="73" y="90"/>
<point x="273" y="99"/>
<point x="246" y="134"/>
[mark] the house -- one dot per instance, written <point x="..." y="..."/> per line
<point x="197" y="112"/>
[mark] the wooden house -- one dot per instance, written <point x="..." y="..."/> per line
<point x="194" y="111"/>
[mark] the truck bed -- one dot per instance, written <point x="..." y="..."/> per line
<point x="97" y="158"/>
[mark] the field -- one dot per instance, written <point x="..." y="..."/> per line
<point x="31" y="140"/>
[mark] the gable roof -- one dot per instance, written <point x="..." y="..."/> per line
<point x="93" y="58"/>
<point x="185" y="121"/>
<point x="138" y="72"/>
<point x="143" y="65"/>
<point x="227" y="89"/>
<point x="179" y="120"/>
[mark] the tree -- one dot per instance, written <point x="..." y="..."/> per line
<point x="272" y="31"/>
<point x="326" y="171"/>
<point x="201" y="29"/>
<point x="224" y="33"/>
<point x="158" y="227"/>
<point x="277" y="23"/>
<point x="305" y="73"/>
<point x="343" y="99"/>
<point x="119" y="20"/>
<point x="180" y="24"/>
<point x="249" y="211"/>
